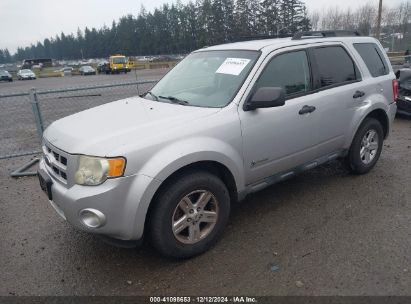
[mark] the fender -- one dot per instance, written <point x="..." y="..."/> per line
<point x="178" y="155"/>
<point x="378" y="103"/>
<point x="187" y="151"/>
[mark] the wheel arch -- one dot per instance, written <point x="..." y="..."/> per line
<point x="377" y="113"/>
<point x="210" y="166"/>
<point x="382" y="117"/>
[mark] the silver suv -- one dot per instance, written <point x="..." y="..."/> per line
<point x="227" y="121"/>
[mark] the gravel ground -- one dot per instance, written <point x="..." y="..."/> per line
<point x="324" y="232"/>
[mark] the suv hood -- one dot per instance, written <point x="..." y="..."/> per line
<point x="105" y="128"/>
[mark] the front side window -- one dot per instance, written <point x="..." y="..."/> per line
<point x="289" y="71"/>
<point x="373" y="58"/>
<point x="335" y="66"/>
<point x="205" y="78"/>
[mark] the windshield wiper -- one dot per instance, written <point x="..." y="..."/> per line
<point x="150" y="93"/>
<point x="175" y="100"/>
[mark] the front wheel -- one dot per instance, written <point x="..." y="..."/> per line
<point x="189" y="215"/>
<point x="366" y="147"/>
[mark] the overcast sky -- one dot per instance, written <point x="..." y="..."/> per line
<point x="25" y="22"/>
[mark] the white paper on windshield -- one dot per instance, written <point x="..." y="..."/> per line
<point x="233" y="66"/>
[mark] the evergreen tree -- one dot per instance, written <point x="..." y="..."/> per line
<point x="242" y="17"/>
<point x="270" y="16"/>
<point x="291" y="15"/>
<point x="7" y="57"/>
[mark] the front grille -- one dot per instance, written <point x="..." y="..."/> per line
<point x="56" y="162"/>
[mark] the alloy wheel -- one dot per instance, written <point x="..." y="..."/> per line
<point x="195" y="216"/>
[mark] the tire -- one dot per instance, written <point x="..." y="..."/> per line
<point x="362" y="161"/>
<point x="167" y="210"/>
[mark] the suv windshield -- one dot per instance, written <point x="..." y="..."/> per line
<point x="205" y="78"/>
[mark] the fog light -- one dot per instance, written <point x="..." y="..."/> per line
<point x="92" y="218"/>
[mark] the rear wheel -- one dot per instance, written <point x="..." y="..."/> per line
<point x="189" y="215"/>
<point x="366" y="147"/>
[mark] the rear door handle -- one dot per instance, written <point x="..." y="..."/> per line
<point x="358" y="94"/>
<point x="306" y="109"/>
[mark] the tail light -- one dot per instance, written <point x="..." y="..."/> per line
<point x="395" y="89"/>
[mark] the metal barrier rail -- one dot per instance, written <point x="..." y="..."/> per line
<point x="19" y="154"/>
<point x="103" y="86"/>
<point x="20" y="123"/>
<point x="13" y="95"/>
<point x="399" y="59"/>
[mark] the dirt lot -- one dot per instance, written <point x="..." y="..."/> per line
<point x="334" y="233"/>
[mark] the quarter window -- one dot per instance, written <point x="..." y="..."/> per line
<point x="290" y="71"/>
<point x="373" y="58"/>
<point x="335" y="66"/>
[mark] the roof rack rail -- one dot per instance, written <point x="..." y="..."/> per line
<point x="258" y="37"/>
<point x="325" y="34"/>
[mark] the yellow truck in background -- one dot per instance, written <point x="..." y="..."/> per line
<point x="132" y="62"/>
<point x="116" y="64"/>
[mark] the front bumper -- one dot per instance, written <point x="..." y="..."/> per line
<point x="123" y="201"/>
<point x="120" y="70"/>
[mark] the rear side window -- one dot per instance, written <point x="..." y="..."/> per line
<point x="335" y="66"/>
<point x="373" y="58"/>
<point x="290" y="71"/>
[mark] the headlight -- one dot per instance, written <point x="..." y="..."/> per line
<point x="93" y="171"/>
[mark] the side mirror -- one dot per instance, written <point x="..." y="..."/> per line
<point x="266" y="97"/>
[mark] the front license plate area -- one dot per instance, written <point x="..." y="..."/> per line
<point x="45" y="183"/>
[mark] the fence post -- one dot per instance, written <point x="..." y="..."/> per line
<point x="37" y="113"/>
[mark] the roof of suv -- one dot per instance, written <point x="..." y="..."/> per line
<point x="270" y="44"/>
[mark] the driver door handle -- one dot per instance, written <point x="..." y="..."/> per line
<point x="306" y="109"/>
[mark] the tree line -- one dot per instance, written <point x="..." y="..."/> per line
<point x="5" y="56"/>
<point x="175" y="29"/>
<point x="179" y="28"/>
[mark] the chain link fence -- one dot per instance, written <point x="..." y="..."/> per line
<point x="24" y="116"/>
